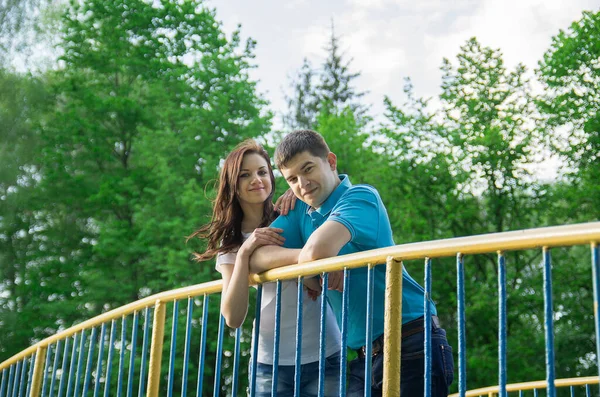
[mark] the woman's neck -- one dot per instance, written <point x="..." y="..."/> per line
<point x="253" y="216"/>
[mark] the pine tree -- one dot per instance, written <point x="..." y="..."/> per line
<point x="303" y="105"/>
<point x="328" y="90"/>
<point x="335" y="89"/>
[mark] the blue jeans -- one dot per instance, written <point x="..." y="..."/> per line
<point x="309" y="379"/>
<point x="412" y="368"/>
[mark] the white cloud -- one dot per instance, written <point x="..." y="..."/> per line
<point x="393" y="39"/>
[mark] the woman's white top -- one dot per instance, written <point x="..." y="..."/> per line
<point x="311" y="316"/>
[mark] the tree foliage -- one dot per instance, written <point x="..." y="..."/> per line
<point x="570" y="72"/>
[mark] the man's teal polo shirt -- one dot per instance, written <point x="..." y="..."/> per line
<point x="360" y="209"/>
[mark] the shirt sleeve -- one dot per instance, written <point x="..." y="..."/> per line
<point x="358" y="211"/>
<point x="225" y="259"/>
<point x="290" y="224"/>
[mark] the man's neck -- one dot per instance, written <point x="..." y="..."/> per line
<point x="337" y="183"/>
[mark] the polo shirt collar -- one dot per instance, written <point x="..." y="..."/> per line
<point x="333" y="198"/>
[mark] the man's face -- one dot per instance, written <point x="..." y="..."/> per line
<point x="311" y="178"/>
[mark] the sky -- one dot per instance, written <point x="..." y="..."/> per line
<point x="390" y="40"/>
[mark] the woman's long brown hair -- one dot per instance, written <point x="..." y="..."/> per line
<point x="224" y="232"/>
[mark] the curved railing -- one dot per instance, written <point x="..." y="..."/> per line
<point x="40" y="369"/>
<point x="571" y="383"/>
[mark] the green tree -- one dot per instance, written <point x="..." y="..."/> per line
<point x="461" y="170"/>
<point x="335" y="89"/>
<point x="418" y="175"/>
<point x="23" y="102"/>
<point x="147" y="99"/>
<point x="327" y="90"/>
<point x="570" y="72"/>
<point x="303" y="104"/>
<point x="490" y="122"/>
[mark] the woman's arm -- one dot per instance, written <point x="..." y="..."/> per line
<point x="234" y="298"/>
<point x="272" y="256"/>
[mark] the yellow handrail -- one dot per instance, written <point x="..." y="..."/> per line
<point x="538" y="384"/>
<point x="210" y="287"/>
<point x="516" y="240"/>
<point x="554" y="236"/>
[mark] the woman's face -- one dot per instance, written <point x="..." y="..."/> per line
<point x="254" y="180"/>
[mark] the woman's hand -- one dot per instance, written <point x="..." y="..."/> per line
<point x="286" y="202"/>
<point x="262" y="236"/>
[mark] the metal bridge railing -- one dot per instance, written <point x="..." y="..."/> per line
<point x="120" y="353"/>
<point x="583" y="383"/>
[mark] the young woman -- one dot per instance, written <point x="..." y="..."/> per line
<point x="242" y="213"/>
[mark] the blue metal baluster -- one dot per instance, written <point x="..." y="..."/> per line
<point x="99" y="365"/>
<point x="171" y="376"/>
<point x="462" y="331"/>
<point x="369" y="331"/>
<point x="3" y="385"/>
<point x="22" y="381"/>
<point x="72" y="365"/>
<point x="572" y="391"/>
<point x="520" y="393"/>
<point x="596" y="283"/>
<point x="236" y="361"/>
<point x="46" y="365"/>
<point x="30" y="376"/>
<point x="142" y="385"/>
<point x="11" y="378"/>
<point x="299" y="312"/>
<point x="276" y="339"/>
<point x="111" y="351"/>
<point x="344" y="330"/>
<point x="255" y="335"/>
<point x="323" y="332"/>
<point x="79" y="363"/>
<point x="202" y="346"/>
<point x="501" y="325"/>
<point x="63" y="368"/>
<point x="549" y="323"/>
<point x="427" y="341"/>
<point x="219" y="356"/>
<point x="55" y="367"/>
<point x="122" y="354"/>
<point x="134" y="336"/>
<point x="90" y="359"/>
<point x="17" y="379"/>
<point x="173" y="347"/>
<point x="11" y="375"/>
<point x="535" y="392"/>
<point x="186" y="353"/>
<point x="587" y="391"/>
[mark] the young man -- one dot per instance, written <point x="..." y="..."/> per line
<point x="336" y="218"/>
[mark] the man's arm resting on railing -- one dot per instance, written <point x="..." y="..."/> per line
<point x="271" y="256"/>
<point x="326" y="242"/>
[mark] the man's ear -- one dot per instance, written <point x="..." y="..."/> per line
<point x="332" y="160"/>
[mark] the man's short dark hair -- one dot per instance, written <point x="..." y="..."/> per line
<point x="300" y="141"/>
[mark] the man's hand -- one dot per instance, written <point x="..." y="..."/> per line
<point x="286" y="202"/>
<point x="313" y="287"/>
<point x="335" y="280"/>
